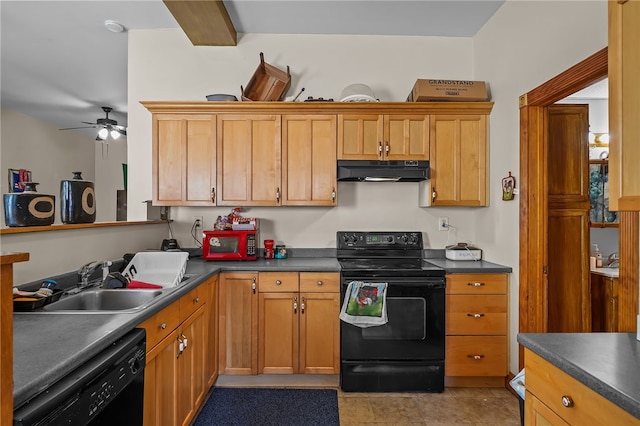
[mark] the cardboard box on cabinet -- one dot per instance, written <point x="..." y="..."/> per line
<point x="430" y="90"/>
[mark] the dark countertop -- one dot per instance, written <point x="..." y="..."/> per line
<point x="608" y="363"/>
<point x="469" y="266"/>
<point x="48" y="346"/>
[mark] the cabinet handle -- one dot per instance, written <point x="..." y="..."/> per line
<point x="475" y="315"/>
<point x="380" y="149"/>
<point x="253" y="285"/>
<point x="333" y="196"/>
<point x="278" y="282"/>
<point x="476" y="284"/>
<point x="386" y="148"/>
<point x="196" y="300"/>
<point x="295" y="305"/>
<point x="433" y="194"/>
<point x="319" y="283"/>
<point x="567" y="401"/>
<point x="277" y="195"/>
<point x="163" y="325"/>
<point x="302" y="306"/>
<point x="213" y="195"/>
<point x="475" y="357"/>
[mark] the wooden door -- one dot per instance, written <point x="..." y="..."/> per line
<point x="161" y="383"/>
<point x="569" y="306"/>
<point x="278" y="333"/>
<point x="309" y="160"/>
<point x="249" y="156"/>
<point x="406" y="137"/>
<point x="238" y="324"/>
<point x="458" y="160"/>
<point x="360" y="136"/>
<point x="184" y="159"/>
<point x="191" y="361"/>
<point x="211" y="354"/>
<point x="319" y="333"/>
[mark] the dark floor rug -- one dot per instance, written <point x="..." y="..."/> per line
<point x="251" y="406"/>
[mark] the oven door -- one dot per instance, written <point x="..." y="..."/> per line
<point x="415" y="329"/>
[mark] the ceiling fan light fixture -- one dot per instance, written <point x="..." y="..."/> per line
<point x="113" y="26"/>
<point x="103" y="134"/>
<point x="114" y="134"/>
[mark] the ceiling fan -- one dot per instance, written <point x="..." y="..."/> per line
<point x="107" y="126"/>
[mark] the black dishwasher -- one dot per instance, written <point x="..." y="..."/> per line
<point x="106" y="390"/>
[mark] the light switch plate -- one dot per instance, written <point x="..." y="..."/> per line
<point x="638" y="329"/>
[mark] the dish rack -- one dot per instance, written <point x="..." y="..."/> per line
<point x="161" y="268"/>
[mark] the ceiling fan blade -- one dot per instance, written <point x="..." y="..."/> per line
<point x="73" y="128"/>
<point x="86" y="122"/>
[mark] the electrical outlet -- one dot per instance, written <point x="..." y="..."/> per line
<point x="443" y="223"/>
<point x="198" y="223"/>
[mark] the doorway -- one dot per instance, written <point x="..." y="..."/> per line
<point x="534" y="203"/>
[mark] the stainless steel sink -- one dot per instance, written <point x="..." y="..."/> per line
<point x="104" y="300"/>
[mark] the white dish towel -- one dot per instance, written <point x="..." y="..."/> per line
<point x="365" y="304"/>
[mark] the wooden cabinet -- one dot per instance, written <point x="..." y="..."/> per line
<point x="184" y="159"/>
<point x="604" y="303"/>
<point x="249" y="156"/>
<point x="211" y="360"/>
<point x="299" y="326"/>
<point x="458" y="161"/>
<point x="476" y="329"/>
<point x="555" y="398"/>
<point x="624" y="105"/>
<point x="238" y="323"/>
<point x="175" y="383"/>
<point x="309" y="160"/>
<point x="383" y="137"/>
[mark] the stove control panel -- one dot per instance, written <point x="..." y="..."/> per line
<point x="381" y="240"/>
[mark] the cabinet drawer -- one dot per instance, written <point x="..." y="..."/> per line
<point x="315" y="282"/>
<point x="471" y="314"/>
<point x="477" y="284"/>
<point x="476" y="356"/>
<point x="277" y="281"/>
<point x="161" y="324"/>
<point x="549" y="384"/>
<point x="191" y="301"/>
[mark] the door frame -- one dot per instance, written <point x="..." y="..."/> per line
<point x="534" y="204"/>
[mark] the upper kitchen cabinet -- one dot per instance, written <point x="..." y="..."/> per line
<point x="624" y="105"/>
<point x="249" y="155"/>
<point x="458" y="161"/>
<point x="383" y="137"/>
<point x="309" y="160"/>
<point x="184" y="159"/>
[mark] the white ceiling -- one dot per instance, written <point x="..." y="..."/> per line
<point x="59" y="63"/>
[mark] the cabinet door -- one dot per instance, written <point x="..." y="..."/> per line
<point x="360" y="136"/>
<point x="278" y="333"/>
<point x="184" y="159"/>
<point x="191" y="378"/>
<point x="406" y="137"/>
<point x="538" y="414"/>
<point x="161" y="383"/>
<point x="624" y="105"/>
<point x="238" y="324"/>
<point x="211" y="354"/>
<point x="319" y="333"/>
<point x="309" y="160"/>
<point x="249" y="171"/>
<point x="458" y="162"/>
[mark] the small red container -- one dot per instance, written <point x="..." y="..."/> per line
<point x="268" y="249"/>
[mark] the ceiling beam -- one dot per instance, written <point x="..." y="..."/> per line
<point x="205" y="22"/>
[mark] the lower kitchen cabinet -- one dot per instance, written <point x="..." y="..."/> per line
<point x="604" y="303"/>
<point x="298" y="323"/>
<point x="555" y="398"/>
<point x="238" y="323"/>
<point x="211" y="360"/>
<point x="476" y="330"/>
<point x="175" y="382"/>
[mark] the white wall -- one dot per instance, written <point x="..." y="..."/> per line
<point x="163" y="65"/>
<point x="525" y="44"/>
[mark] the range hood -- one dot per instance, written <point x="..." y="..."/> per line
<point x="383" y="171"/>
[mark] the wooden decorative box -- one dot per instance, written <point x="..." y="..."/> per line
<point x="268" y="83"/>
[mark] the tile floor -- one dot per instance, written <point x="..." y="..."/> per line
<point x="455" y="406"/>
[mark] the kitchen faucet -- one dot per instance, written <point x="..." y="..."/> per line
<point x="87" y="270"/>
